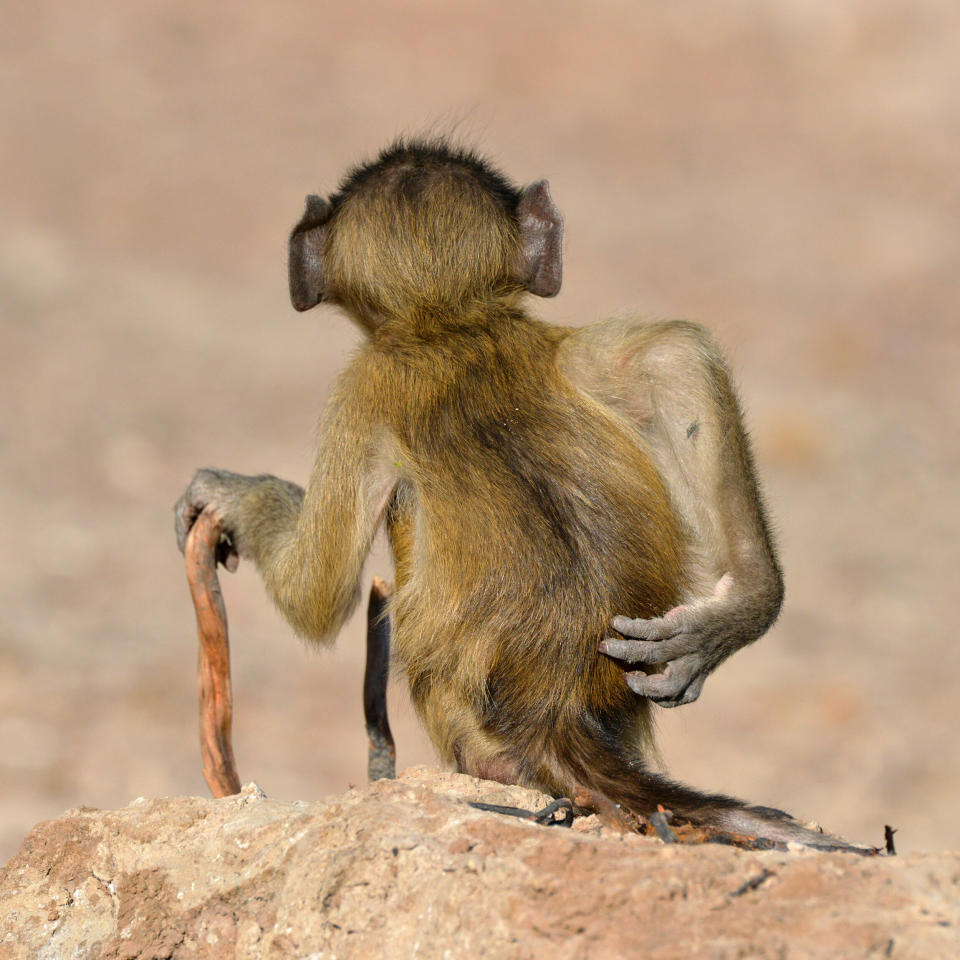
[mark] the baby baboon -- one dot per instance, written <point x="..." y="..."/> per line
<point x="539" y="486"/>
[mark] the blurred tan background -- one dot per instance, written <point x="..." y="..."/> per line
<point x="785" y="171"/>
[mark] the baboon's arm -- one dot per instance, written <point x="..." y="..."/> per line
<point x="309" y="544"/>
<point x="670" y="384"/>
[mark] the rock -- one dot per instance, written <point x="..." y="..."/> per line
<point x="404" y="868"/>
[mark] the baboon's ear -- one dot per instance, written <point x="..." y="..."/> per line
<point x="305" y="259"/>
<point x="541" y="233"/>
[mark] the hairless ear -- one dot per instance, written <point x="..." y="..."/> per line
<point x="305" y="260"/>
<point x="541" y="234"/>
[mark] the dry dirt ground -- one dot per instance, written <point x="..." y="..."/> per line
<point x="782" y="170"/>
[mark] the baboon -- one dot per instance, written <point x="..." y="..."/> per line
<point x="573" y="513"/>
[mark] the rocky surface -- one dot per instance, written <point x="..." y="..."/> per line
<point x="784" y="171"/>
<point x="405" y="868"/>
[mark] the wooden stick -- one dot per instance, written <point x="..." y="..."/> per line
<point x="213" y="664"/>
<point x="382" y="760"/>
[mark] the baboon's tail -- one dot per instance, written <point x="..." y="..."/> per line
<point x="587" y="761"/>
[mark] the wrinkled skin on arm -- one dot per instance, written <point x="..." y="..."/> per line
<point x="668" y="381"/>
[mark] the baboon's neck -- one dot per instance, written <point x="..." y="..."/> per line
<point x="493" y="315"/>
<point x="467" y="364"/>
<point x="498" y="336"/>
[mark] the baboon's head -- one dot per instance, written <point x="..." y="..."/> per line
<point x="424" y="227"/>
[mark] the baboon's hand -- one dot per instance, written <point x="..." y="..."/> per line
<point x="223" y="493"/>
<point x="691" y="641"/>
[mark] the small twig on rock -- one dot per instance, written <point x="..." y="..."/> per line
<point x="753" y="883"/>
<point x="544" y="816"/>
<point x="660" y="821"/>
<point x="888" y="833"/>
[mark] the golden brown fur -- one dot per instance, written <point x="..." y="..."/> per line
<point x="524" y="516"/>
<point x="535" y="482"/>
